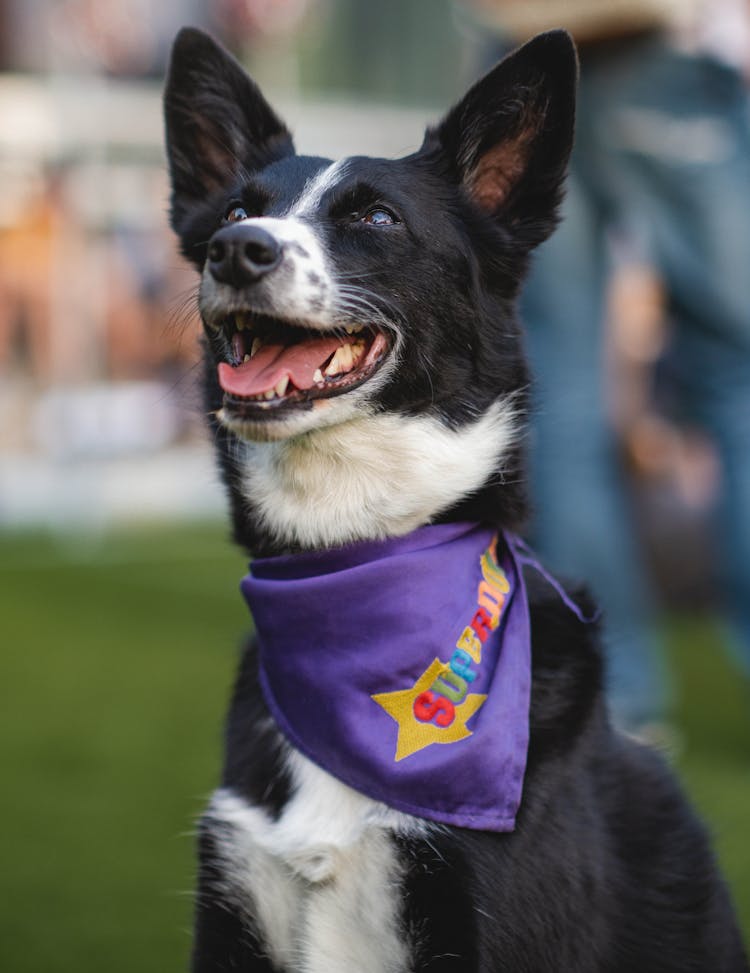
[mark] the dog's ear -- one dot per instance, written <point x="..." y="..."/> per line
<point x="218" y="124"/>
<point x="509" y="139"/>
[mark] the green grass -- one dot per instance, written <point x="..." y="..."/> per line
<point x="118" y="654"/>
<point x="713" y="715"/>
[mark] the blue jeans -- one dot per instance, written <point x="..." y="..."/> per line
<point x="662" y="156"/>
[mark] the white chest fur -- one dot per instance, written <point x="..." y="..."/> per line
<point x="321" y="884"/>
<point x="379" y="475"/>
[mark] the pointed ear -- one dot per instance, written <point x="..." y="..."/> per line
<point x="508" y="141"/>
<point x="218" y="124"/>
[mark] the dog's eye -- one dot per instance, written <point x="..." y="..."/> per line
<point x="379" y="217"/>
<point x="235" y="214"/>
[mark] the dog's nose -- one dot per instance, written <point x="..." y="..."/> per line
<point x="241" y="254"/>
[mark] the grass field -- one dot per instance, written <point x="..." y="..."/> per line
<point x="118" y="653"/>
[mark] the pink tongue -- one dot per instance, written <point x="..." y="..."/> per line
<point x="270" y="364"/>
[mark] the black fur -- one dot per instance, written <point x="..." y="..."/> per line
<point x="608" y="870"/>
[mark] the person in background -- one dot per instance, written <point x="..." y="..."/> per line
<point x="660" y="175"/>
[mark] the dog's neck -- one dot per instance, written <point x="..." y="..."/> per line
<point x="377" y="476"/>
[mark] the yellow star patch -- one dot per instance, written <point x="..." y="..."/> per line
<point x="413" y="734"/>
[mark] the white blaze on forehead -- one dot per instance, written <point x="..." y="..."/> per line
<point x="316" y="187"/>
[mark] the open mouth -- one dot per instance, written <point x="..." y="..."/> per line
<point x="276" y="365"/>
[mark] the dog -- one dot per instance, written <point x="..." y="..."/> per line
<point x="367" y="388"/>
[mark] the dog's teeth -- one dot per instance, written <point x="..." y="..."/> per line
<point x="239" y="322"/>
<point x="318" y="375"/>
<point x="353" y="328"/>
<point x="246" y="358"/>
<point x="256" y="346"/>
<point x="270" y="394"/>
<point x="341" y="361"/>
<point x="243" y="320"/>
<point x="333" y="366"/>
<point x="281" y="387"/>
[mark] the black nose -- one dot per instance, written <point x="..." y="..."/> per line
<point x="241" y="254"/>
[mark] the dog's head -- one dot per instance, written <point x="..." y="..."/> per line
<point x="364" y="363"/>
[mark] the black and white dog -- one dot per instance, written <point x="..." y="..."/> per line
<point x="366" y="375"/>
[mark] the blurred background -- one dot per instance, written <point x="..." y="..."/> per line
<point x="120" y="619"/>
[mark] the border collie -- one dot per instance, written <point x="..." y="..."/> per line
<point x="420" y="773"/>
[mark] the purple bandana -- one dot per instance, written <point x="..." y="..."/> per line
<point x="402" y="667"/>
